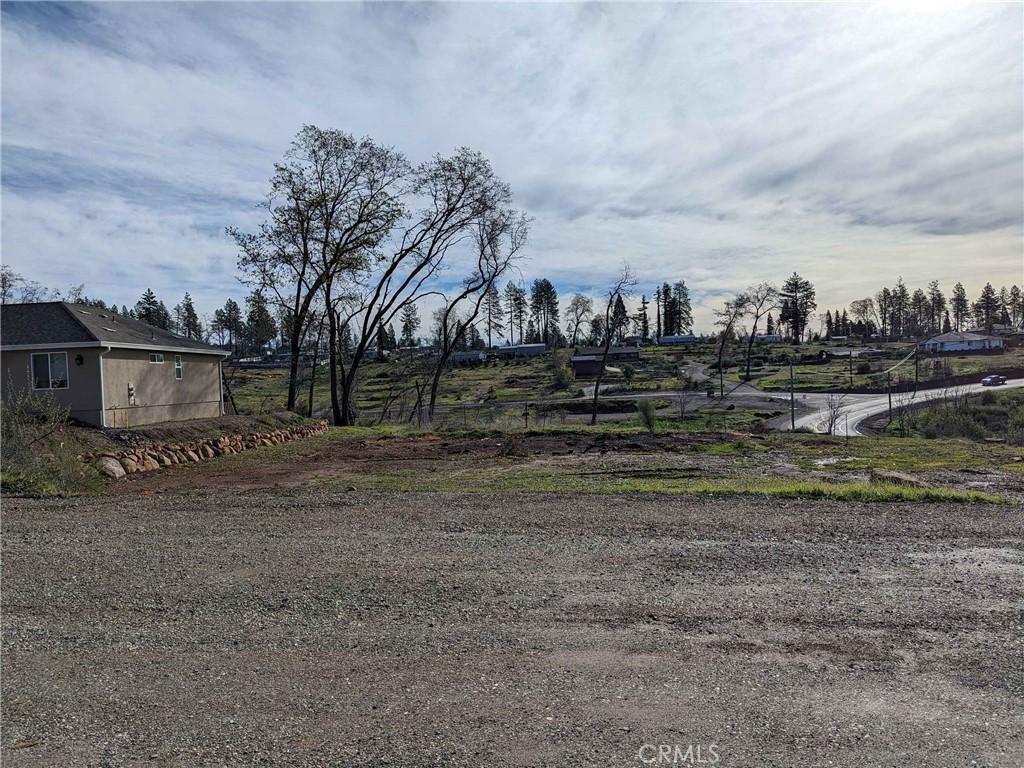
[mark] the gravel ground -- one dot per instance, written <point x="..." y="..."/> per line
<point x="306" y="627"/>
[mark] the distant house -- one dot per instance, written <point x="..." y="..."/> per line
<point x="671" y="341"/>
<point x="955" y="341"/>
<point x="587" y="361"/>
<point x="107" y="368"/>
<point x="768" y="338"/>
<point x="521" y="350"/>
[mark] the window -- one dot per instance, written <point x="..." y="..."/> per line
<point x="156" y="357"/>
<point x="177" y="367"/>
<point x="50" y="370"/>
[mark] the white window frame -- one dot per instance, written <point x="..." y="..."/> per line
<point x="156" y="358"/>
<point x="178" y="372"/>
<point x="49" y="369"/>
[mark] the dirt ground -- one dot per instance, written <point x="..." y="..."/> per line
<point x="310" y="626"/>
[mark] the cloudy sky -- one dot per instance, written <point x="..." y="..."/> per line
<point x="721" y="143"/>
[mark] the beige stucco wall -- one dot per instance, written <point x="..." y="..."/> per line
<point x="83" y="393"/>
<point x="158" y="395"/>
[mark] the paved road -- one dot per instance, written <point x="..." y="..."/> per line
<point x="857" y="408"/>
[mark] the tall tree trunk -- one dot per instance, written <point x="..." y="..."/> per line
<point x="332" y="341"/>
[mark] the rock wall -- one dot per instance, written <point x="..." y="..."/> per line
<point x="152" y="457"/>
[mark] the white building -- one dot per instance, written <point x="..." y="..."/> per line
<point x="955" y="341"/>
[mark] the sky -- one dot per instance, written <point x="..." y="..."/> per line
<point x="717" y="143"/>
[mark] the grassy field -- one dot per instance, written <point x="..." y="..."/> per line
<point x="265" y="390"/>
<point x="612" y="459"/>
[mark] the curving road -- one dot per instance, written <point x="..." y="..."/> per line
<point x="857" y="408"/>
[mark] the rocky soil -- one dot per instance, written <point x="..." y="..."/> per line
<point x="311" y="627"/>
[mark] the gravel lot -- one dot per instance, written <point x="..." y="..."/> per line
<point x="309" y="627"/>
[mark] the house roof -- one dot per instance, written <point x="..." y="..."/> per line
<point x="957" y="336"/>
<point x="55" y="323"/>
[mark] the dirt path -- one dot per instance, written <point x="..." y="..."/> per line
<point x="306" y="627"/>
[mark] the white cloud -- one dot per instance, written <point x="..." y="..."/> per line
<point x="721" y="144"/>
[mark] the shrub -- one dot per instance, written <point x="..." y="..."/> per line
<point x="648" y="413"/>
<point x="628" y="371"/>
<point x="34" y="459"/>
<point x="564" y="377"/>
<point x="863" y="367"/>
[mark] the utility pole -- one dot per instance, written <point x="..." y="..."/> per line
<point x="851" y="367"/>
<point x="888" y="388"/>
<point x="792" y="400"/>
<point x="916" y="376"/>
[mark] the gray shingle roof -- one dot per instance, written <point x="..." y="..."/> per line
<point x="56" y="322"/>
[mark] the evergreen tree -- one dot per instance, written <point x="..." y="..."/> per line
<point x="900" y="308"/>
<point x="684" y="319"/>
<point x="960" y="306"/>
<point x="1016" y="307"/>
<point x="770" y="326"/>
<point x="189" y="327"/>
<point x="228" y="321"/>
<point x="669" y="311"/>
<point x="828" y="325"/>
<point x="937" y="306"/>
<point x="148" y="310"/>
<point x="798" y="303"/>
<point x="260" y="328"/>
<point x="946" y="325"/>
<point x="544" y="309"/>
<point x="620" y="319"/>
<point x="986" y="308"/>
<point x="410" y="324"/>
<point x="494" y="314"/>
<point x="515" y="303"/>
<point x="642" y="322"/>
<point x="657" y="312"/>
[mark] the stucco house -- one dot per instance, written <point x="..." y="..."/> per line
<point x="109" y="370"/>
<point x="963" y="342"/>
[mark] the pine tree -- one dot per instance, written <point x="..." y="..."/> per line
<point x="260" y="327"/>
<point x="620" y="319"/>
<point x="544" y="309"/>
<point x="669" y="311"/>
<point x="828" y="325"/>
<point x="410" y="324"/>
<point x="494" y="314"/>
<point x="770" y="326"/>
<point x="642" y="323"/>
<point x="228" y="321"/>
<point x="798" y="303"/>
<point x="960" y="306"/>
<point x="657" y="311"/>
<point x="515" y="303"/>
<point x="147" y="309"/>
<point x="937" y="306"/>
<point x="684" y="319"/>
<point x="986" y="308"/>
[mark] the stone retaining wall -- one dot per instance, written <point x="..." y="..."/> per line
<point x="153" y="457"/>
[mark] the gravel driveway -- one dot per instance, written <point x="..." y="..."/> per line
<point x="307" y="627"/>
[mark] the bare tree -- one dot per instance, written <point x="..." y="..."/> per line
<point x="904" y="413"/>
<point x="761" y="299"/>
<point x="620" y="290"/>
<point x="728" y="316"/>
<point x="578" y="312"/>
<point x="835" y="409"/>
<point x="456" y="194"/>
<point x="332" y="201"/>
<point x="686" y="393"/>
<point x="500" y="238"/>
